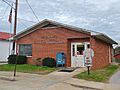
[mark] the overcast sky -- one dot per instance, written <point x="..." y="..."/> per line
<point x="97" y="15"/>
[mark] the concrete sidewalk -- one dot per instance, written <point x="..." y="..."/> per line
<point x="55" y="80"/>
<point x="27" y="81"/>
<point x="92" y="85"/>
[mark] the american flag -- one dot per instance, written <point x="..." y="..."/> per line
<point x="10" y="16"/>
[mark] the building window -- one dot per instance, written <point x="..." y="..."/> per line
<point x="25" y="49"/>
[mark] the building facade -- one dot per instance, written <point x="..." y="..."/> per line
<point x="47" y="38"/>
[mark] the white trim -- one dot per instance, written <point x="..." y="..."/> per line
<point x="73" y="57"/>
<point x="109" y="54"/>
<point x="28" y="56"/>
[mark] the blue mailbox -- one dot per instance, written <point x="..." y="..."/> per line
<point x="60" y="58"/>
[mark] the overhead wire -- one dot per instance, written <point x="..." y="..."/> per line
<point x="32" y="11"/>
<point x="27" y="20"/>
<point x="4" y="12"/>
<point x="10" y="1"/>
<point x="23" y="23"/>
<point x="8" y="4"/>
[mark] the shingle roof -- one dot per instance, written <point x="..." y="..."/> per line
<point x="46" y="22"/>
<point x="5" y="35"/>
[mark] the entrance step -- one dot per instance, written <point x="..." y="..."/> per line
<point x="67" y="69"/>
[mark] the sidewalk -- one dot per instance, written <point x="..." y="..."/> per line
<point x="92" y="85"/>
<point x="52" y="81"/>
<point x="27" y="81"/>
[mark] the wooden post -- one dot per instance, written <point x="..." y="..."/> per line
<point x="88" y="69"/>
<point x="15" y="27"/>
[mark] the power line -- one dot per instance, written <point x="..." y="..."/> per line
<point x="23" y="23"/>
<point x="32" y="10"/>
<point x="5" y="12"/>
<point x="10" y="1"/>
<point x="9" y="4"/>
<point x="27" y="20"/>
<point x="3" y="16"/>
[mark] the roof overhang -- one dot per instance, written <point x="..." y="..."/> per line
<point x="105" y="38"/>
<point x="45" y="22"/>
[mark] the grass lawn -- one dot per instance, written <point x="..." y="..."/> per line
<point x="26" y="68"/>
<point x="101" y="75"/>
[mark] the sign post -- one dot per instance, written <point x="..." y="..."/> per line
<point x="88" y="65"/>
<point x="88" y="55"/>
<point x="88" y="69"/>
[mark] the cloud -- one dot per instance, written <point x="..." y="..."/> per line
<point x="98" y="15"/>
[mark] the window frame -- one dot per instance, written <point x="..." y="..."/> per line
<point x="24" y="54"/>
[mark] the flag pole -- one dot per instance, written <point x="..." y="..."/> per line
<point x="10" y="37"/>
<point x="10" y="20"/>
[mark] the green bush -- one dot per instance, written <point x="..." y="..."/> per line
<point x="50" y="62"/>
<point x="20" y="59"/>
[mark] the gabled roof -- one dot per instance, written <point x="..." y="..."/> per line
<point x="5" y="35"/>
<point x="57" y="24"/>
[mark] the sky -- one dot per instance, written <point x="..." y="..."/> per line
<point x="97" y="15"/>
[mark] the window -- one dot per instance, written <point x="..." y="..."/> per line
<point x="25" y="49"/>
<point x="73" y="50"/>
<point x="80" y="49"/>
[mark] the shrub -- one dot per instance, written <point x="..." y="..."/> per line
<point x="50" y="62"/>
<point x="20" y="59"/>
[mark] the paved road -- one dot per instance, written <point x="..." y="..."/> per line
<point x="25" y="81"/>
<point x="115" y="78"/>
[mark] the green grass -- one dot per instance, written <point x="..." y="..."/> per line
<point x="26" y="68"/>
<point x="101" y="75"/>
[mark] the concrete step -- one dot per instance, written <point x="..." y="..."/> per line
<point x="67" y="69"/>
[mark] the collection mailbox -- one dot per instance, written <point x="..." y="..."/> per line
<point x="60" y="58"/>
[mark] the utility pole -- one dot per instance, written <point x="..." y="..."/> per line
<point x="15" y="21"/>
<point x="15" y="27"/>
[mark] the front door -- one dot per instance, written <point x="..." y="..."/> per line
<point x="77" y="59"/>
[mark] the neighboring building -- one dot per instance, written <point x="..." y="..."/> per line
<point x="5" y="46"/>
<point x="117" y="56"/>
<point x="117" y="52"/>
<point x="48" y="37"/>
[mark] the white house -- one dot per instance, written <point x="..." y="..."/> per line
<point x="5" y="46"/>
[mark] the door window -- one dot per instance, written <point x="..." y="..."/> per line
<point x="80" y="49"/>
<point x="73" y="50"/>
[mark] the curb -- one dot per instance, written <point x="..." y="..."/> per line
<point x="92" y="85"/>
<point x="85" y="87"/>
